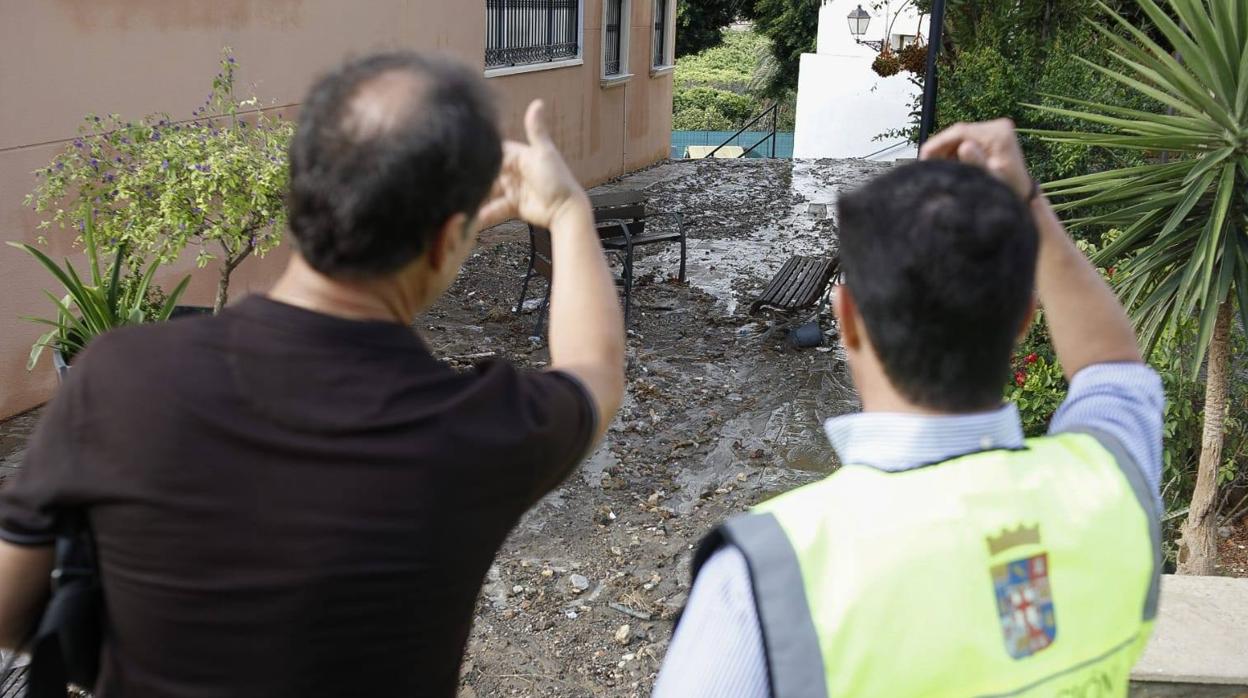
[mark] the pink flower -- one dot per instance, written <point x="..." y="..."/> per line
<point x="1032" y="358"/>
<point x="1020" y="378"/>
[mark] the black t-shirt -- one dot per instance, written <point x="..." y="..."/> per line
<point x="290" y="504"/>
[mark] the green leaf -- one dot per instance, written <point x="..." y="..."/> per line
<point x="172" y="300"/>
<point x="114" y="278"/>
<point x="1163" y="70"/>
<point x="1217" y="52"/>
<point x="1178" y="38"/>
<point x="93" y="260"/>
<point x="37" y="350"/>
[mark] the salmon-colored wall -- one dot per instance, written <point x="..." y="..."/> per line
<point x="60" y="59"/>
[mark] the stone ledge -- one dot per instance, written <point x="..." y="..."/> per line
<point x="1201" y="635"/>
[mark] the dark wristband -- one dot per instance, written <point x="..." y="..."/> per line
<point x="1035" y="191"/>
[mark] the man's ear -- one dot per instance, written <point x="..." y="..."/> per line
<point x="1027" y="320"/>
<point x="847" y="316"/>
<point x="453" y="234"/>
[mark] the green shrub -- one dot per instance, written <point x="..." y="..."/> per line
<point x="721" y="88"/>
<point x="734" y="108"/>
<point x="700" y="119"/>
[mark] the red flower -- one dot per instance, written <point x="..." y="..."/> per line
<point x="1020" y="378"/>
<point x="1110" y="272"/>
<point x="1032" y="358"/>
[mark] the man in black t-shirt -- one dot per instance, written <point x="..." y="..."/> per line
<point x="295" y="498"/>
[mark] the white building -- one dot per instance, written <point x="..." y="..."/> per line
<point x="842" y="105"/>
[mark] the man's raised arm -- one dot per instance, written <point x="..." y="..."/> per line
<point x="586" y="327"/>
<point x="1087" y="323"/>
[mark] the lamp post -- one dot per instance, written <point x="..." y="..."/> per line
<point x="859" y="20"/>
<point x="927" y="120"/>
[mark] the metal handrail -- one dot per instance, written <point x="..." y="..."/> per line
<point x="773" y="110"/>
<point x="882" y="150"/>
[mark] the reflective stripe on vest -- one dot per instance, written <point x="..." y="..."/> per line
<point x="1003" y="573"/>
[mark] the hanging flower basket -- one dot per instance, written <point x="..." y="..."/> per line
<point x="913" y="58"/>
<point x="886" y="64"/>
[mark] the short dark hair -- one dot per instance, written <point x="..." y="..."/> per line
<point x="940" y="258"/>
<point x="372" y="183"/>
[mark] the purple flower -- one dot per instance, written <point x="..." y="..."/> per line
<point x="109" y="178"/>
<point x="59" y="165"/>
<point x="78" y="143"/>
<point x="95" y="164"/>
<point x="155" y="135"/>
<point x="164" y="164"/>
<point x="230" y="59"/>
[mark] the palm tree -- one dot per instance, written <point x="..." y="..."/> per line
<point x="1183" y="251"/>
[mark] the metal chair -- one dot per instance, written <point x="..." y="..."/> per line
<point x="620" y="219"/>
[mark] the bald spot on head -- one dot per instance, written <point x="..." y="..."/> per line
<point x="381" y="104"/>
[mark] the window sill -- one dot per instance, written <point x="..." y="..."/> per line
<point x="658" y="70"/>
<point x="608" y="82"/>
<point x="533" y="67"/>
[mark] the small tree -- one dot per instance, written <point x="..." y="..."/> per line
<point x="1184" y="214"/>
<point x="157" y="186"/>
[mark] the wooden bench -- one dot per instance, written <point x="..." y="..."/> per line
<point x="799" y="284"/>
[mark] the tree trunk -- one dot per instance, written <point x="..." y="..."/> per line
<point x="1198" y="548"/>
<point x="223" y="289"/>
<point x="232" y="260"/>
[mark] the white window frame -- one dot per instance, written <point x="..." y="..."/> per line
<point x="626" y="21"/>
<point x="669" y="38"/>
<point x="899" y="41"/>
<point x="578" y="60"/>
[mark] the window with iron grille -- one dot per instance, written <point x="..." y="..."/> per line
<point x="661" y="29"/>
<point x="613" y="38"/>
<point x="528" y="32"/>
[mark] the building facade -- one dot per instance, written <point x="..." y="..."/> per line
<point x="603" y="66"/>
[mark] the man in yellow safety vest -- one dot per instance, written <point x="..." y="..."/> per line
<point x="949" y="556"/>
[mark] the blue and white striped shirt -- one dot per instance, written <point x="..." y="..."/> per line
<point x="718" y="649"/>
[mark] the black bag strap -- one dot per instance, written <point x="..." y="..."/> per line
<point x="65" y="648"/>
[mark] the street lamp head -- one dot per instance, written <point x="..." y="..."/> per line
<point x="859" y="19"/>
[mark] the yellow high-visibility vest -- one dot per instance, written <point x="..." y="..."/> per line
<point x="1030" y="572"/>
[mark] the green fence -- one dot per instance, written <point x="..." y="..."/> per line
<point x="684" y="139"/>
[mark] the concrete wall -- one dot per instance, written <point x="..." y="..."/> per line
<point x="60" y="59"/>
